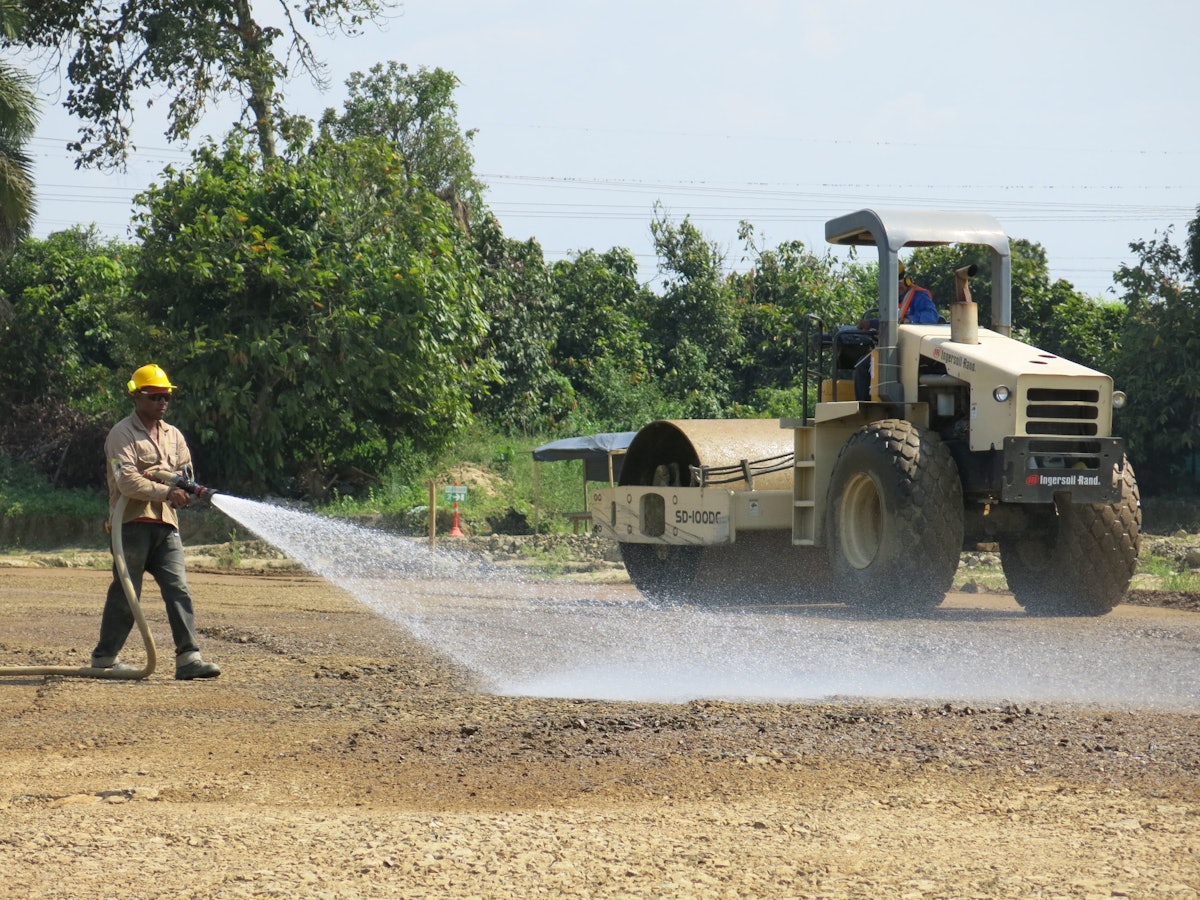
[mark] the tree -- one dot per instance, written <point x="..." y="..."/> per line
<point x="64" y="342"/>
<point x="522" y="314"/>
<point x="1050" y="315"/>
<point x="933" y="268"/>
<point x="1158" y="363"/>
<point x="323" y="319"/>
<point x="70" y="298"/>
<point x="694" y="325"/>
<point x="1076" y="327"/>
<point x="602" y="346"/>
<point x="193" y="52"/>
<point x="18" y="122"/>
<point x="417" y="113"/>
<point x="784" y="286"/>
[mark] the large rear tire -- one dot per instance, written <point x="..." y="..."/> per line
<point x="1081" y="560"/>
<point x="894" y="526"/>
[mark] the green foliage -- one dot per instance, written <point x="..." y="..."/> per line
<point x="523" y="316"/>
<point x="1164" y="575"/>
<point x="68" y="319"/>
<point x="933" y="268"/>
<point x="63" y="337"/>
<point x="499" y="473"/>
<point x="24" y="492"/>
<point x="417" y="113"/>
<point x="602" y="308"/>
<point x="321" y="317"/>
<point x="602" y="344"/>
<point x="1076" y="327"/>
<point x="192" y="53"/>
<point x="774" y="402"/>
<point x="694" y="325"/>
<point x="1158" y="360"/>
<point x="620" y="399"/>
<point x="1050" y="315"/>
<point x="18" y="123"/>
<point x="785" y="285"/>
<point x="231" y="556"/>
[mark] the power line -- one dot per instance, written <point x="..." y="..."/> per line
<point x="830" y="193"/>
<point x="749" y="137"/>
<point x="566" y="180"/>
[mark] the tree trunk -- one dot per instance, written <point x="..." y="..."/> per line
<point x="259" y="79"/>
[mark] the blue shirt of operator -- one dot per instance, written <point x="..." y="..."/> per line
<point x="916" y="306"/>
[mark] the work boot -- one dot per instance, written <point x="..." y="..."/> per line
<point x="112" y="662"/>
<point x="189" y="666"/>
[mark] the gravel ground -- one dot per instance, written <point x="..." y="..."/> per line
<point x="337" y="757"/>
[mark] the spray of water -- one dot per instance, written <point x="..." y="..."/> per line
<point x="539" y="638"/>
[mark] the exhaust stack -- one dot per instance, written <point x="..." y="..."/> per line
<point x="964" y="313"/>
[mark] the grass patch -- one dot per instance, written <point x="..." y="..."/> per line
<point x="989" y="579"/>
<point x="506" y="490"/>
<point x="24" y="492"/>
<point x="1160" y="573"/>
<point x="230" y="556"/>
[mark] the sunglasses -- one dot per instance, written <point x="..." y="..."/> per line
<point x="165" y="398"/>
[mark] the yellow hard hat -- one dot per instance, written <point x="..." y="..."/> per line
<point x="149" y="376"/>
<point x="900" y="263"/>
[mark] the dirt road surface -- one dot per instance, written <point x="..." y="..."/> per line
<point x="337" y="757"/>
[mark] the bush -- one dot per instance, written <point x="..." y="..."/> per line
<point x="62" y="444"/>
<point x="25" y="492"/>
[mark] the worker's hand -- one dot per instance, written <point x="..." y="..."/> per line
<point x="178" y="498"/>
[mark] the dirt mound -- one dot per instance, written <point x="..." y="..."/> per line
<point x="1167" y="599"/>
<point x="475" y="479"/>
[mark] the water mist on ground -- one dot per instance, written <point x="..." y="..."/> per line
<point x="555" y="639"/>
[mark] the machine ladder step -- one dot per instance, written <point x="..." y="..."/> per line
<point x="804" y="506"/>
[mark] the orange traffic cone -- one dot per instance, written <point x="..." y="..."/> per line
<point x="456" y="531"/>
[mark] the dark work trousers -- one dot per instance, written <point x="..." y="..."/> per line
<point x="157" y="549"/>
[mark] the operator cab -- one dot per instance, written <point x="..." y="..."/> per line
<point x="863" y="363"/>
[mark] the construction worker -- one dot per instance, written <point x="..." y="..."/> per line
<point x="915" y="305"/>
<point x="139" y="444"/>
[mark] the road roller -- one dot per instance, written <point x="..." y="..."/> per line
<point x="922" y="440"/>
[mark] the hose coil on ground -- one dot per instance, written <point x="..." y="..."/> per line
<point x="124" y="673"/>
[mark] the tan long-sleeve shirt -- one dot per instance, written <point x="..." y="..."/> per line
<point x="131" y="450"/>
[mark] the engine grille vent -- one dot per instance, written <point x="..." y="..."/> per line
<point x="1068" y="412"/>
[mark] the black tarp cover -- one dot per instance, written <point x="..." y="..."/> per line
<point x="593" y="449"/>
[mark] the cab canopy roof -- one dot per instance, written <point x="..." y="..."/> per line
<point x="896" y="228"/>
<point x="891" y="229"/>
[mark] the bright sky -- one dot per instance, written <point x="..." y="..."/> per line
<point x="1071" y="121"/>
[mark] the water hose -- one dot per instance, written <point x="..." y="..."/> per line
<point x="128" y="673"/>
